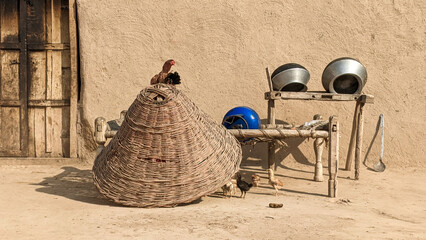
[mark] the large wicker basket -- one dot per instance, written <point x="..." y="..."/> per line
<point x="166" y="152"/>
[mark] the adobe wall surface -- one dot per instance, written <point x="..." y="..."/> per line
<point x="222" y="48"/>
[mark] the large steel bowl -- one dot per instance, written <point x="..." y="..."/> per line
<point x="290" y="77"/>
<point x="344" y="75"/>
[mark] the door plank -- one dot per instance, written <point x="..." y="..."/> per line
<point x="65" y="26"/>
<point x="56" y="21"/>
<point x="39" y="132"/>
<point x="1" y="132"/>
<point x="23" y="77"/>
<point x="31" y="132"/>
<point x="9" y="21"/>
<point x="49" y="89"/>
<point x="10" y="128"/>
<point x="36" y="10"/>
<point x="37" y="76"/>
<point x="9" y="75"/>
<point x="66" y="74"/>
<point x="65" y="133"/>
<point x="60" y="147"/>
<point x="73" y="79"/>
<point x="56" y="89"/>
<point x="49" y="129"/>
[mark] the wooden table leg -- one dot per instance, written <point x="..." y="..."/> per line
<point x="271" y="145"/>
<point x="271" y="155"/>
<point x="333" y="156"/>
<point x="271" y="112"/>
<point x="358" y="145"/>
<point x="351" y="148"/>
<point x="318" y="148"/>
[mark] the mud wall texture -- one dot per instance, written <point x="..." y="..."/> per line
<point x="222" y="48"/>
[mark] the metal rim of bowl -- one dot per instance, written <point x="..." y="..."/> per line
<point x="361" y="83"/>
<point x="293" y="81"/>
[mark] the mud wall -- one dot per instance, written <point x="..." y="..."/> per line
<point x="222" y="48"/>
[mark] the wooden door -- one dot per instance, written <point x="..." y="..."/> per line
<point x="35" y="108"/>
<point x="13" y="87"/>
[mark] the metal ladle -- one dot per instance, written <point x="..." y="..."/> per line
<point x="380" y="166"/>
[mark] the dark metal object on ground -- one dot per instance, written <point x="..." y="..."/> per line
<point x="276" y="205"/>
<point x="344" y="75"/>
<point x="290" y="77"/>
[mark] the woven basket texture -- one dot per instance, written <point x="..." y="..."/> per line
<point x="166" y="152"/>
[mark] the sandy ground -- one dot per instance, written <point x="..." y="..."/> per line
<point x="59" y="201"/>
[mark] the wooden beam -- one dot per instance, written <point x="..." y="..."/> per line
<point x="268" y="77"/>
<point x="351" y="148"/>
<point x="48" y="103"/>
<point x="271" y="145"/>
<point x="333" y="156"/>
<point x="49" y="46"/>
<point x="287" y="126"/>
<point x="23" y="76"/>
<point x="358" y="144"/>
<point x="278" y="133"/>
<point x="271" y="155"/>
<point x="318" y="96"/>
<point x="74" y="77"/>
<point x="266" y="133"/>
<point x="10" y="103"/>
<point x="10" y="46"/>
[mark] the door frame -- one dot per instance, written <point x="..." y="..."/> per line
<point x="22" y="46"/>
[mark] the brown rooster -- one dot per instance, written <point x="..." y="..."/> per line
<point x="276" y="183"/>
<point x="165" y="76"/>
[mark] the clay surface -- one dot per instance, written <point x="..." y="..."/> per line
<point x="221" y="50"/>
<point x="61" y="202"/>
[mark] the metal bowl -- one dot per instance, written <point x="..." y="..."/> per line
<point x="344" y="75"/>
<point x="290" y="77"/>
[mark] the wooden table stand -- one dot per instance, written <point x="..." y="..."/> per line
<point x="355" y="145"/>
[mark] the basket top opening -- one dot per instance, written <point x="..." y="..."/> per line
<point x="156" y="97"/>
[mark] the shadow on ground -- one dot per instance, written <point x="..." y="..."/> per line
<point x="74" y="184"/>
<point x="78" y="185"/>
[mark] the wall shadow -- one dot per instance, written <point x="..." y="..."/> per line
<point x="289" y="147"/>
<point x="255" y="160"/>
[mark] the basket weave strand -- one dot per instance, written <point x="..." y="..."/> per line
<point x="166" y="152"/>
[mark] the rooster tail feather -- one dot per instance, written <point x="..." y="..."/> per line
<point x="173" y="78"/>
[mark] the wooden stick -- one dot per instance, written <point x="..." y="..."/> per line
<point x="271" y="112"/>
<point x="271" y="155"/>
<point x="252" y="133"/>
<point x="358" y="144"/>
<point x="278" y="133"/>
<point x="271" y="121"/>
<point x="333" y="156"/>
<point x="268" y="77"/>
<point x="351" y="148"/>
<point x="288" y="126"/>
